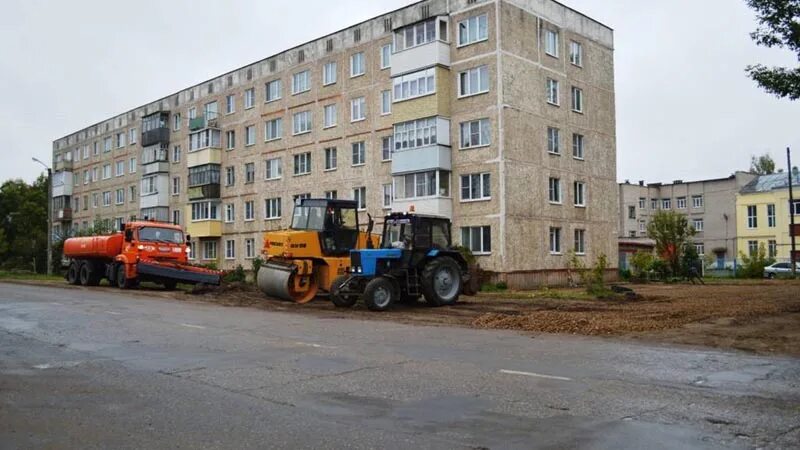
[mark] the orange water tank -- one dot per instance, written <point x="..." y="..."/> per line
<point x="102" y="247"/>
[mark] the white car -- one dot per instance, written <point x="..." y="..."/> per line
<point x="781" y="268"/>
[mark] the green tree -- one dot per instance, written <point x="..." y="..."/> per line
<point x="641" y="262"/>
<point x="753" y="265"/>
<point x="762" y="165"/>
<point x="778" y="26"/>
<point x="672" y="232"/>
<point x="23" y="219"/>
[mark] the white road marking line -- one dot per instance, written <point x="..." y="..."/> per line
<point x="188" y="325"/>
<point x="537" y="375"/>
<point x="309" y="344"/>
<point x="114" y="313"/>
<point x="56" y="303"/>
<point x="57" y="365"/>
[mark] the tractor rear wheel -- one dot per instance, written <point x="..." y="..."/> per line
<point x="441" y="281"/>
<point x="379" y="294"/>
<point x="340" y="299"/>
<point x="73" y="276"/>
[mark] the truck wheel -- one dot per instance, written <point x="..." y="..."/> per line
<point x="170" y="285"/>
<point x="379" y="294"/>
<point x="122" y="280"/>
<point x="73" y="276"/>
<point x="85" y="274"/>
<point x="338" y="298"/>
<point x="441" y="281"/>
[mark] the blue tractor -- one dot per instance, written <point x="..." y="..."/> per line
<point x="416" y="258"/>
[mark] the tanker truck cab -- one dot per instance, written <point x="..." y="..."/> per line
<point x="155" y="241"/>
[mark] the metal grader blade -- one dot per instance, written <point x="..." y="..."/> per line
<point x="276" y="279"/>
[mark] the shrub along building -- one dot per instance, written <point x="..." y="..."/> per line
<point x="497" y="114"/>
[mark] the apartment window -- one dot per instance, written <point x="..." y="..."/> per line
<point x="387" y="195"/>
<point x="230" y="249"/>
<point x="386" y="102"/>
<point x="132" y="194"/>
<point x="681" y="202"/>
<point x="555" y="241"/>
<point x="643" y="227"/>
<point x="95" y="176"/>
<point x="697" y="201"/>
<point x="752" y="217"/>
<point x="698" y="224"/>
<point x="358" y="109"/>
<point x="230" y="104"/>
<point x="204" y="139"/>
<point x="85" y="152"/>
<point x="653" y="204"/>
<point x="642" y="202"/>
<point x="580" y="242"/>
<point x="176" y="121"/>
<point x="473" y="29"/>
<point x="273" y="129"/>
<point x="107" y="198"/>
<point x="210" y="250"/>
<point x="95" y="200"/>
<point x="357" y="65"/>
<point x="132" y="165"/>
<point x="554" y="190"/>
<point x="120" y="194"/>
<point x="249" y="248"/>
<point x="230" y="139"/>
<point x="329" y="112"/>
<point x="329" y="74"/>
<point x="330" y="158"/>
<point x="192" y="113"/>
<point x="577" y="99"/>
<point x="302" y="163"/>
<point x="552" y="92"/>
<point x="360" y="196"/>
<point x="359" y="153"/>
<point x="422" y="184"/>
<point x="386" y="148"/>
<point x="249" y="135"/>
<point x="418" y="34"/>
<point x="580" y="193"/>
<point x="176" y="185"/>
<point x="666" y="203"/>
<point x="473" y="81"/>
<point x="249" y="98"/>
<point x="551" y="43"/>
<point x="230" y="176"/>
<point x="176" y="154"/>
<point x="414" y="85"/>
<point x="771" y="221"/>
<point x="273" y="90"/>
<point x="795" y="208"/>
<point x="272" y="208"/>
<point x="204" y="175"/>
<point x="131" y="136"/>
<point x="577" y="146"/>
<point x="301" y="122"/>
<point x="87" y="177"/>
<point x="301" y="82"/>
<point x="176" y="216"/>
<point x="95" y="149"/>
<point x="477" y="239"/>
<point x="416" y="133"/>
<point x="297" y="199"/>
<point x="107" y="144"/>
<point x="752" y="248"/>
<point x="331" y="195"/>
<point x="120" y="139"/>
<point x="476" y="186"/>
<point x="553" y="141"/>
<point x="119" y="170"/>
<point x="631" y="212"/>
<point x="106" y="171"/>
<point x="274" y="169"/>
<point x="772" y="249"/>
<point x="576" y="53"/>
<point x="386" y="56"/>
<point x="230" y="213"/>
<point x="476" y="133"/>
<point x="249" y="210"/>
<point x="250" y="172"/>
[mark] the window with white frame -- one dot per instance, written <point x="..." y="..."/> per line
<point x="795" y="208"/>
<point x="176" y="185"/>
<point x="697" y="201"/>
<point x="131" y="136"/>
<point x="273" y="129"/>
<point x="120" y="194"/>
<point x="230" y="213"/>
<point x="121" y="140"/>
<point x="697" y="224"/>
<point x="576" y="53"/>
<point x="249" y="98"/>
<point x="301" y="122"/>
<point x="302" y="163"/>
<point x="473" y="81"/>
<point x="474" y="29"/>
<point x="176" y="216"/>
<point x="230" y="249"/>
<point x="272" y="208"/>
<point x="422" y="184"/>
<point x="387" y="195"/>
<point x="580" y="242"/>
<point x="772" y="249"/>
<point x="681" y="202"/>
<point x="357" y="64"/>
<point x="249" y="135"/>
<point x="418" y="34"/>
<point x="274" y="168"/>
<point x="301" y="82"/>
<point x="176" y="121"/>
<point x="87" y="177"/>
<point x="273" y="90"/>
<point x="191" y="254"/>
<point x="132" y="166"/>
<point x="95" y="200"/>
<point x="329" y="73"/>
<point x="249" y="248"/>
<point x="653" y="204"/>
<point x="578" y="142"/>
<point x="297" y="199"/>
<point x="752" y="217"/>
<point x="476" y="186"/>
<point x="249" y="173"/>
<point x="230" y="104"/>
<point x="386" y="56"/>
<point x="331" y="195"/>
<point x="414" y="85"/>
<point x="415" y="133"/>
<point x="205" y="211"/>
<point x="643" y="226"/>
<point x="329" y="113"/>
<point x="107" y="144"/>
<point x="752" y="248"/>
<point x="552" y="92"/>
<point x="249" y="210"/>
<point x="230" y="176"/>
<point x="132" y="194"/>
<point x="359" y="153"/>
<point x="360" y="196"/>
<point x="330" y="158"/>
<point x="209" y="250"/>
<point x="120" y="168"/>
<point x="642" y="203"/>
<point x="475" y="133"/>
<point x="771" y="220"/>
<point x="477" y="239"/>
<point x="555" y="240"/>
<point x="386" y="102"/>
<point x="176" y="154"/>
<point x="106" y="171"/>
<point x="358" y="109"/>
<point x="551" y="43"/>
<point x="386" y="148"/>
<point x="95" y="176"/>
<point x="553" y="141"/>
<point x="209" y="137"/>
<point x="580" y="193"/>
<point x="577" y="99"/>
<point x="86" y="151"/>
<point x="666" y="203"/>
<point x="230" y="139"/>
<point x="554" y="189"/>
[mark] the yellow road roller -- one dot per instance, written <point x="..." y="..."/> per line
<point x="303" y="261"/>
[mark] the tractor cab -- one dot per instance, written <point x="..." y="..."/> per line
<point x="336" y="222"/>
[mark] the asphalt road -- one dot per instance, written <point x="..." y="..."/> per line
<point x="82" y="368"/>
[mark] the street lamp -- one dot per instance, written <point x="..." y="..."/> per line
<point x="49" y="216"/>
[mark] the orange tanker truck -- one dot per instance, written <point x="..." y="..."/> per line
<point x="140" y="251"/>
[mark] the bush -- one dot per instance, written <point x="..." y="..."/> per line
<point x="753" y="266"/>
<point x="591" y="277"/>
<point x="466" y="253"/>
<point x="257" y="263"/>
<point x="625" y="274"/>
<point x="641" y="263"/>
<point x="236" y="275"/>
<point x="494" y="287"/>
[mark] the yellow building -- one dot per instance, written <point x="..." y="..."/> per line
<point x="762" y="215"/>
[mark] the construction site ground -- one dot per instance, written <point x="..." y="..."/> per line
<point x="760" y="316"/>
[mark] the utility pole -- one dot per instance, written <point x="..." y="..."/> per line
<point x="49" y="216"/>
<point x="793" y="254"/>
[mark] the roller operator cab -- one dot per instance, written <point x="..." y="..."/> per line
<point x="416" y="257"/>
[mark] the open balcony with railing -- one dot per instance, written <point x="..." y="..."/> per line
<point x="206" y="120"/>
<point x="155" y="129"/>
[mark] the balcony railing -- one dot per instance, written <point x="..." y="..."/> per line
<point x="155" y="136"/>
<point x="62" y="215"/>
<point x="205" y="192"/>
<point x="64" y="164"/>
<point x="207" y="120"/>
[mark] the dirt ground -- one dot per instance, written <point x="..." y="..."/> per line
<point x="761" y="316"/>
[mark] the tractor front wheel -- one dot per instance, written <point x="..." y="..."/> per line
<point x="441" y="281"/>
<point x="379" y="294"/>
<point x="338" y="297"/>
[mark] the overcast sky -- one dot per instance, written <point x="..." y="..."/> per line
<point x="685" y="109"/>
